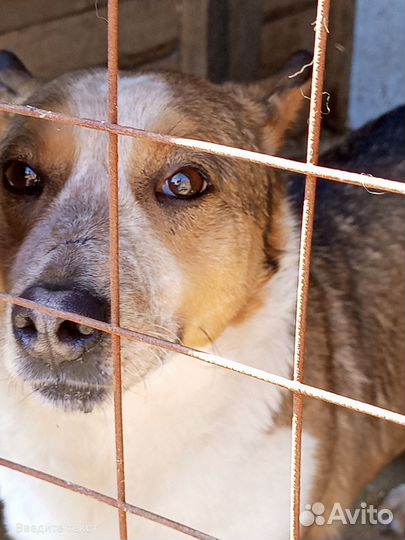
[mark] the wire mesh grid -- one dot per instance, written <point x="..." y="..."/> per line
<point x="296" y="385"/>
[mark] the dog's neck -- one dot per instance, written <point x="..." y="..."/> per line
<point x="262" y="339"/>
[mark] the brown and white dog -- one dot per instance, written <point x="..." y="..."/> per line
<point x="209" y="257"/>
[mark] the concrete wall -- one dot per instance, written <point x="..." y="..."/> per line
<point x="378" y="70"/>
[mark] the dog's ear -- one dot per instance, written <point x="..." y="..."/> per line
<point x="16" y="83"/>
<point x="281" y="97"/>
<point x="15" y="80"/>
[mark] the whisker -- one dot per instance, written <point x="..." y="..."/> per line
<point x="214" y="348"/>
<point x="170" y="332"/>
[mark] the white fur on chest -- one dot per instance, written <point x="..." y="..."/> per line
<point x="200" y="444"/>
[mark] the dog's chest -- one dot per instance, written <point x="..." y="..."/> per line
<point x="199" y="469"/>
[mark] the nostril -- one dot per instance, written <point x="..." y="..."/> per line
<point x="23" y="322"/>
<point x="72" y="333"/>
<point x="24" y="327"/>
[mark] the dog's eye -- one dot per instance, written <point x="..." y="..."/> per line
<point x="20" y="178"/>
<point x="186" y="183"/>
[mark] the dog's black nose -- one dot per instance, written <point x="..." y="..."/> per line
<point x="56" y="340"/>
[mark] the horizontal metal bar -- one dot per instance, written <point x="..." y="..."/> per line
<point x="277" y="380"/>
<point x="100" y="497"/>
<point x="345" y="177"/>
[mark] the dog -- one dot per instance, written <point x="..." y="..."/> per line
<point x="209" y="255"/>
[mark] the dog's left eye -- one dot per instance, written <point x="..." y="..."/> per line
<point x="186" y="183"/>
<point x="20" y="178"/>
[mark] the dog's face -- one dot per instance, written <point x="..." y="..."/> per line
<point x="199" y="235"/>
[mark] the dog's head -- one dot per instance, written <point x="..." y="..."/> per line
<point x="199" y="235"/>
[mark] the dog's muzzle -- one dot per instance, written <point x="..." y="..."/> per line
<point x="60" y="358"/>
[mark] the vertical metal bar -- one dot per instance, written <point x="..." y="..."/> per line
<point x="321" y="32"/>
<point x="115" y="256"/>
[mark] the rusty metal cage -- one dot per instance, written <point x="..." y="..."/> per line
<point x="296" y="385"/>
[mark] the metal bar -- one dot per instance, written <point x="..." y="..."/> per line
<point x="345" y="177"/>
<point x="114" y="234"/>
<point x="126" y="507"/>
<point x="282" y="382"/>
<point x="304" y="267"/>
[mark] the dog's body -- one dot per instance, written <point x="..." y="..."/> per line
<point x="203" y="446"/>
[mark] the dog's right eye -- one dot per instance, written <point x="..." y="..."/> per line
<point x="21" y="179"/>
